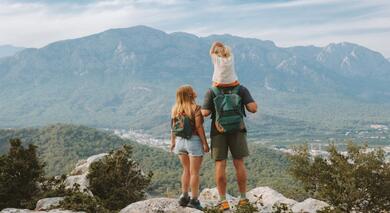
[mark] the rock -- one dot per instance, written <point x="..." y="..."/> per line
<point x="46" y="203"/>
<point x="210" y="197"/>
<point x="11" y="210"/>
<point x="80" y="172"/>
<point x="160" y="205"/>
<point x="268" y="197"/>
<point x="81" y="180"/>
<point x="82" y="166"/>
<point x="309" y="205"/>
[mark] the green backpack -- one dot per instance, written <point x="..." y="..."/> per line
<point x="181" y="127"/>
<point x="228" y="110"/>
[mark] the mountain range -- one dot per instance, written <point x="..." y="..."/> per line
<point x="9" y="50"/>
<point x="127" y="78"/>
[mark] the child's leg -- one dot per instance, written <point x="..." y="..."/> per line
<point x="185" y="177"/>
<point x="195" y="163"/>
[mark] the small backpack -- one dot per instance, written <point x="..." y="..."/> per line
<point x="228" y="110"/>
<point x="181" y="127"/>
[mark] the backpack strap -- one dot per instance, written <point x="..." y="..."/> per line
<point x="216" y="91"/>
<point x="236" y="90"/>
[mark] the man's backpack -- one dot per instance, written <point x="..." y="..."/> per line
<point x="228" y="110"/>
<point x="181" y="127"/>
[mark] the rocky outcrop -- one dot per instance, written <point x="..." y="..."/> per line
<point x="309" y="205"/>
<point x="47" y="203"/>
<point x="11" y="210"/>
<point x="79" y="174"/>
<point x="210" y="197"/>
<point x="160" y="205"/>
<point x="263" y="197"/>
<point x="82" y="166"/>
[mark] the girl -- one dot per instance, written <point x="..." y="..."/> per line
<point x="223" y="61"/>
<point x="190" y="151"/>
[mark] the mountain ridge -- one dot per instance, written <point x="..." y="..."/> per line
<point x="128" y="77"/>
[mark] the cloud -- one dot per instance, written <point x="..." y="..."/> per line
<point x="287" y="22"/>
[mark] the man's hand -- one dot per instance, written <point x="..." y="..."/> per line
<point x="251" y="107"/>
<point x="206" y="148"/>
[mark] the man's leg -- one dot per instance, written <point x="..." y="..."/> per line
<point x="239" y="149"/>
<point x="241" y="175"/>
<point x="220" y="177"/>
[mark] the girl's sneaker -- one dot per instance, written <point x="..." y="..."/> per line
<point x="194" y="203"/>
<point x="184" y="200"/>
<point x="223" y="205"/>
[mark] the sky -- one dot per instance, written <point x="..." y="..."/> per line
<point x="36" y="23"/>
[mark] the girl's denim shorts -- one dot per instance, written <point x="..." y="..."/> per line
<point x="191" y="147"/>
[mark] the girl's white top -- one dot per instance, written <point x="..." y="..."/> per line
<point x="224" y="69"/>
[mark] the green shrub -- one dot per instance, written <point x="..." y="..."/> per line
<point x="81" y="201"/>
<point x="117" y="179"/>
<point x="357" y="180"/>
<point x="20" y="171"/>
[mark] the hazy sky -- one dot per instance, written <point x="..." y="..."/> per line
<point x="31" y="23"/>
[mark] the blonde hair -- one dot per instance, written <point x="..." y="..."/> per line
<point x="221" y="50"/>
<point x="185" y="99"/>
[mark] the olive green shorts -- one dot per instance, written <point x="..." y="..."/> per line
<point x="235" y="142"/>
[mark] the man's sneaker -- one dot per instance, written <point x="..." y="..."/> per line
<point x="194" y="203"/>
<point x="184" y="200"/>
<point x="243" y="202"/>
<point x="223" y="205"/>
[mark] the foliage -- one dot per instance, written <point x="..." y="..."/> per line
<point x="81" y="201"/>
<point x="20" y="170"/>
<point x="281" y="208"/>
<point x="249" y="208"/>
<point x="118" y="180"/>
<point x="61" y="146"/>
<point x="357" y="180"/>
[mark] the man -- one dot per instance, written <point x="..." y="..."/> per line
<point x="233" y="141"/>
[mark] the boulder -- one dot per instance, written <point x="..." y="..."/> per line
<point x="82" y="166"/>
<point x="46" y="203"/>
<point x="210" y="197"/>
<point x="163" y="205"/>
<point x="309" y="205"/>
<point x="268" y="197"/>
<point x="81" y="180"/>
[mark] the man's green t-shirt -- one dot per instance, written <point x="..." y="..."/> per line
<point x="208" y="104"/>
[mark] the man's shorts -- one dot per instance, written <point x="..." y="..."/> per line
<point x="235" y="142"/>
<point x="191" y="147"/>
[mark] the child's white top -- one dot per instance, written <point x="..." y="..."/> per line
<point x="224" y="71"/>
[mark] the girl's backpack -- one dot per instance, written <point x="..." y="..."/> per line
<point x="181" y="127"/>
<point x="228" y="110"/>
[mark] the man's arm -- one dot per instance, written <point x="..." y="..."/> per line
<point x="207" y="104"/>
<point x="251" y="107"/>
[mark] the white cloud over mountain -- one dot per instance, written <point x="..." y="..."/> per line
<point x="299" y="22"/>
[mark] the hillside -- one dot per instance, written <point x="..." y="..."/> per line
<point x="61" y="146"/>
<point x="123" y="78"/>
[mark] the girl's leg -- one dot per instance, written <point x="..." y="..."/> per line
<point x="185" y="177"/>
<point x="195" y="163"/>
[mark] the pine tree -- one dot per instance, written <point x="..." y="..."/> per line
<point x="20" y="171"/>
<point x="117" y="180"/>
